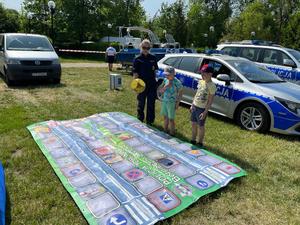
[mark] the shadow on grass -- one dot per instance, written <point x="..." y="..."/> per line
<point x="33" y="84"/>
<point x="8" y="209"/>
<point x="30" y="85"/>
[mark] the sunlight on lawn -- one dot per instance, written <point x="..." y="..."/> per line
<point x="268" y="195"/>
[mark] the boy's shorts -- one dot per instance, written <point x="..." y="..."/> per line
<point x="196" y="111"/>
<point x="168" y="109"/>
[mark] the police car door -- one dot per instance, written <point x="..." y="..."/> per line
<point x="274" y="60"/>
<point x="186" y="73"/>
<point x="221" y="104"/>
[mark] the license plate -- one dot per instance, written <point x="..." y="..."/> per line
<point x="43" y="74"/>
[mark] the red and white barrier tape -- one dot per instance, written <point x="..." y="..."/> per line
<point x="81" y="51"/>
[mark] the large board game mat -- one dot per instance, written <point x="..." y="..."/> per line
<point x="120" y="171"/>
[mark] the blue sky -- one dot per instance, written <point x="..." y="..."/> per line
<point x="151" y="6"/>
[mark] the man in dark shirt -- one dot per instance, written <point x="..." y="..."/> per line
<point x="144" y="67"/>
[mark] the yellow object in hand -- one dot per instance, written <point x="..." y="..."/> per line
<point x="138" y="85"/>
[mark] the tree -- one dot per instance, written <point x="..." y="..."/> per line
<point x="172" y="18"/>
<point x="268" y="19"/>
<point x="205" y="14"/>
<point x="80" y="20"/>
<point x="291" y="33"/>
<point x="8" y="20"/>
<point x="255" y="18"/>
<point x="281" y="11"/>
<point x="239" y="6"/>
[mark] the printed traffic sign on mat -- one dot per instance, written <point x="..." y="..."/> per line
<point x="120" y="171"/>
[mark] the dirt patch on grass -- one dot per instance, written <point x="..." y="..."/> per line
<point x="16" y="153"/>
<point x="24" y="97"/>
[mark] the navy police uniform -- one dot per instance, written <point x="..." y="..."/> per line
<point x="145" y="66"/>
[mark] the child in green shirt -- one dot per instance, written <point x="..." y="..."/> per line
<point x="172" y="94"/>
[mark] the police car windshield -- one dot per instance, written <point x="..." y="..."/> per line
<point x="28" y="43"/>
<point x="296" y="54"/>
<point x="254" y="73"/>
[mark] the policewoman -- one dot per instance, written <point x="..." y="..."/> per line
<point x="144" y="67"/>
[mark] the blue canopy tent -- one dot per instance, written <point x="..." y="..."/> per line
<point x="2" y="196"/>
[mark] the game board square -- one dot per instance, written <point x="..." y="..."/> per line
<point x="133" y="175"/>
<point x="67" y="161"/>
<point x="103" y="151"/>
<point x="73" y="170"/>
<point x="82" y="179"/>
<point x="210" y="159"/>
<point x="117" y="217"/>
<point x="147" y="185"/>
<point x="168" y="162"/>
<point x="122" y="166"/>
<point x="60" y="153"/>
<point x="182" y="171"/>
<point x="155" y="155"/>
<point x="200" y="181"/>
<point x="134" y="142"/>
<point x="195" y="153"/>
<point x="90" y="191"/>
<point x="228" y="168"/>
<point x="102" y="204"/>
<point x="164" y="200"/>
<point x="112" y="158"/>
<point x="143" y="148"/>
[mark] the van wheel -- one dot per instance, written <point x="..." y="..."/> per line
<point x="253" y="116"/>
<point x="8" y="81"/>
<point x="56" y="81"/>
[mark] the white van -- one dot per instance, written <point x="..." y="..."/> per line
<point x="28" y="57"/>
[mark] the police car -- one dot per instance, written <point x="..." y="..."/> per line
<point x="256" y="98"/>
<point x="284" y="62"/>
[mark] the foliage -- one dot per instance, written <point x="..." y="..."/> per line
<point x="203" y="15"/>
<point x="8" y="20"/>
<point x="268" y="19"/>
<point x="255" y="18"/>
<point x="189" y="22"/>
<point x="173" y="20"/>
<point x="82" y="20"/>
<point x="291" y="34"/>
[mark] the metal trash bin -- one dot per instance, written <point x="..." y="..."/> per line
<point x="115" y="81"/>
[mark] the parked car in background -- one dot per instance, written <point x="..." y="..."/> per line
<point x="28" y="57"/>
<point x="284" y="62"/>
<point x="249" y="93"/>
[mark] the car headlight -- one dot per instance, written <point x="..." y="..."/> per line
<point x="12" y="61"/>
<point x="292" y="106"/>
<point x="55" y="61"/>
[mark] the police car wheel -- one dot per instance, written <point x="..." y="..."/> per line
<point x="253" y="116"/>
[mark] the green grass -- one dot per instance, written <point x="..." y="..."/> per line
<point x="80" y="60"/>
<point x="270" y="194"/>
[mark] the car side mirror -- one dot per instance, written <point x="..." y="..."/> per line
<point x="289" y="62"/>
<point x="225" y="78"/>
